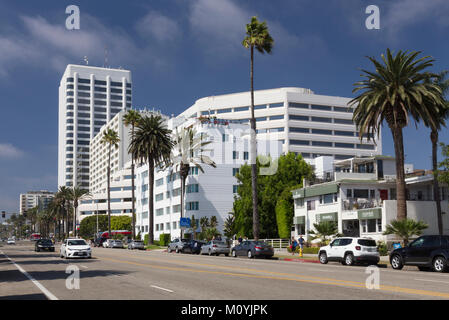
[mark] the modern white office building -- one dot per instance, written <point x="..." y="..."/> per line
<point x="209" y="193"/>
<point x="32" y="199"/>
<point x="88" y="98"/>
<point x="307" y="123"/>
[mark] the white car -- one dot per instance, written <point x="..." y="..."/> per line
<point x="75" y="248"/>
<point x="11" y="241"/>
<point x="349" y="251"/>
<point x="107" y="243"/>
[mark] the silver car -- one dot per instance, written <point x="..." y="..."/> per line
<point x="116" y="244"/>
<point x="136" y="244"/>
<point x="177" y="245"/>
<point x="215" y="247"/>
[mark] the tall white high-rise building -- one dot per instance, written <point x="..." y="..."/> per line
<point x="33" y="199"/>
<point x="88" y="98"/>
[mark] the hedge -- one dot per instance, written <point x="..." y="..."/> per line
<point x="164" y="239"/>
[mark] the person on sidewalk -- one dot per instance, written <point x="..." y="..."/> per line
<point x="301" y="242"/>
<point x="293" y="245"/>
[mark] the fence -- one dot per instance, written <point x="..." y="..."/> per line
<point x="277" y="243"/>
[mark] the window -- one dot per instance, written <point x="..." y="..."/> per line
<point x="280" y="117"/>
<point x="300" y="142"/>
<point x="159" y="182"/>
<point x="194" y="205"/>
<point x="177" y="208"/>
<point x="224" y="110"/>
<point x="298" y="105"/>
<point x="344" y="145"/>
<point x="160" y="211"/>
<point x="302" y="130"/>
<point x="311" y="205"/>
<point x="343" y="109"/>
<point x="318" y="107"/>
<point x="225" y="137"/>
<point x="348" y="193"/>
<point x="327" y="198"/>
<point x="322" y="143"/>
<point x="344" y="133"/>
<point x="260" y="106"/>
<point x="193" y="171"/>
<point x="365" y="146"/>
<point x="361" y="193"/>
<point x="235" y="155"/>
<point x="100" y="82"/>
<point x="235" y="171"/>
<point x="235" y="188"/>
<point x="300" y="118"/>
<point x="245" y="155"/>
<point x="343" y="121"/>
<point x="321" y="119"/>
<point x="321" y="131"/>
<point x="192" y="188"/>
<point x="241" y="109"/>
<point x="261" y="119"/>
<point x="276" y="105"/>
<point x="159" y="197"/>
<point x="167" y="210"/>
<point x="80" y="80"/>
<point x="299" y="203"/>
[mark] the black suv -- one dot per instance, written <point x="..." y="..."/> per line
<point x="426" y="252"/>
<point x="44" y="244"/>
<point x="193" y="247"/>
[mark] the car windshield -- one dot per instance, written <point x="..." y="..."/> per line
<point x="46" y="241"/>
<point x="367" y="243"/>
<point x="260" y="243"/>
<point x="219" y="242"/>
<point x="77" y="243"/>
<point x="138" y="242"/>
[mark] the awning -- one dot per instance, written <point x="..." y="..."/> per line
<point x="332" y="216"/>
<point x="315" y="190"/>
<point x="299" y="220"/>
<point x="370" y="213"/>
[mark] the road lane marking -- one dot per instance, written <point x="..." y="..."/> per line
<point x="160" y="288"/>
<point x="44" y="290"/>
<point x="299" y="278"/>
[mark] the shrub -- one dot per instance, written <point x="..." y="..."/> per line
<point x="382" y="248"/>
<point x="308" y="250"/>
<point x="164" y="239"/>
<point x="145" y="240"/>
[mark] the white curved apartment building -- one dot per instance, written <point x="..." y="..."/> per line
<point x="307" y="123"/>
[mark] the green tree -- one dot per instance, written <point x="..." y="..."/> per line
<point x="132" y="118"/>
<point x="63" y="197"/>
<point x="284" y="213"/>
<point x="110" y="138"/>
<point x="443" y="83"/>
<point x="257" y="37"/>
<point x="76" y="194"/>
<point x="405" y="229"/>
<point x="323" y="230"/>
<point x="151" y="144"/>
<point x="229" y="229"/>
<point x="189" y="147"/>
<point x="88" y="226"/>
<point x="397" y="91"/>
<point x="291" y="170"/>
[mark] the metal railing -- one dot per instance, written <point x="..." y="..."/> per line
<point x="357" y="203"/>
<point x="277" y="243"/>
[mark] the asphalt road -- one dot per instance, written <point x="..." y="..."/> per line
<point x="124" y="274"/>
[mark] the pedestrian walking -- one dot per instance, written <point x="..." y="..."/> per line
<point x="293" y="245"/>
<point x="301" y="242"/>
<point x="240" y="239"/>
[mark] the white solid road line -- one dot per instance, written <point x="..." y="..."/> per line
<point x="44" y="290"/>
<point x="156" y="287"/>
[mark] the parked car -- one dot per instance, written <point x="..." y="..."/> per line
<point x="215" y="247"/>
<point x="44" y="244"/>
<point x="253" y="249"/>
<point x="429" y="252"/>
<point x="75" y="248"/>
<point x="11" y="241"/>
<point x="107" y="243"/>
<point x="116" y="244"/>
<point x="177" y="245"/>
<point x="192" y="246"/>
<point x="136" y="244"/>
<point x="349" y="251"/>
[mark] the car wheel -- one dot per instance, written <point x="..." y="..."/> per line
<point x="250" y="254"/>
<point x="349" y="259"/>
<point x="323" y="258"/>
<point x="439" y="264"/>
<point x="177" y="250"/>
<point x="226" y="254"/>
<point x="234" y="254"/>
<point x="396" y="262"/>
<point x="168" y="250"/>
<point x="210" y="252"/>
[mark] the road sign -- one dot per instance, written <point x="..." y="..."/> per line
<point x="184" y="222"/>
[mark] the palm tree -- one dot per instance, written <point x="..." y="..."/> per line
<point x="443" y="114"/>
<point x="189" y="148"/>
<point x="324" y="229"/>
<point x="76" y="194"/>
<point x="132" y="118"/>
<point x="110" y="137"/>
<point x="257" y="37"/>
<point x="405" y="229"/>
<point x="152" y="144"/>
<point x="63" y="197"/>
<point x="396" y="91"/>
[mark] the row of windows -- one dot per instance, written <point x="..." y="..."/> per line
<point x="332" y="144"/>
<point x="320" y="119"/>
<point x="328" y="132"/>
<point x="99" y="82"/>
<point x="319" y="107"/>
<point x="245" y="108"/>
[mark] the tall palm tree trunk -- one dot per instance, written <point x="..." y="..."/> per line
<point x="400" y="176"/>
<point x="75" y="206"/>
<point x="254" y="154"/>
<point x="133" y="216"/>
<point x="436" y="192"/>
<point x="109" y="193"/>
<point x="150" y="201"/>
<point x="183" y="172"/>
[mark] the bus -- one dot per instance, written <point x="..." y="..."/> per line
<point x="35" y="236"/>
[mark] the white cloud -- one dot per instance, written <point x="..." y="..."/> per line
<point x="159" y="27"/>
<point x="8" y="151"/>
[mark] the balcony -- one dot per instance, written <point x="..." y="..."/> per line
<point x="353" y="204"/>
<point x="355" y="176"/>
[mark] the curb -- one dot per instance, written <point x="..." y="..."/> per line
<point x="299" y="260"/>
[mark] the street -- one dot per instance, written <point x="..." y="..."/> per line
<point x="123" y="274"/>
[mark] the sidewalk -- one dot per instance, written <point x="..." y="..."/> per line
<point x="311" y="258"/>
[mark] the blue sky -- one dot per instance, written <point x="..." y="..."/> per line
<point x="182" y="50"/>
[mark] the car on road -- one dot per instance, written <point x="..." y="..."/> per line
<point x="349" y="251"/>
<point x="116" y="244"/>
<point x="252" y="248"/>
<point x="193" y="247"/>
<point x="44" y="244"/>
<point x="430" y="252"/>
<point x="215" y="247"/>
<point x="106" y="243"/>
<point x="75" y="248"/>
<point x="136" y="244"/>
<point x="11" y="241"/>
<point x="177" y="245"/>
